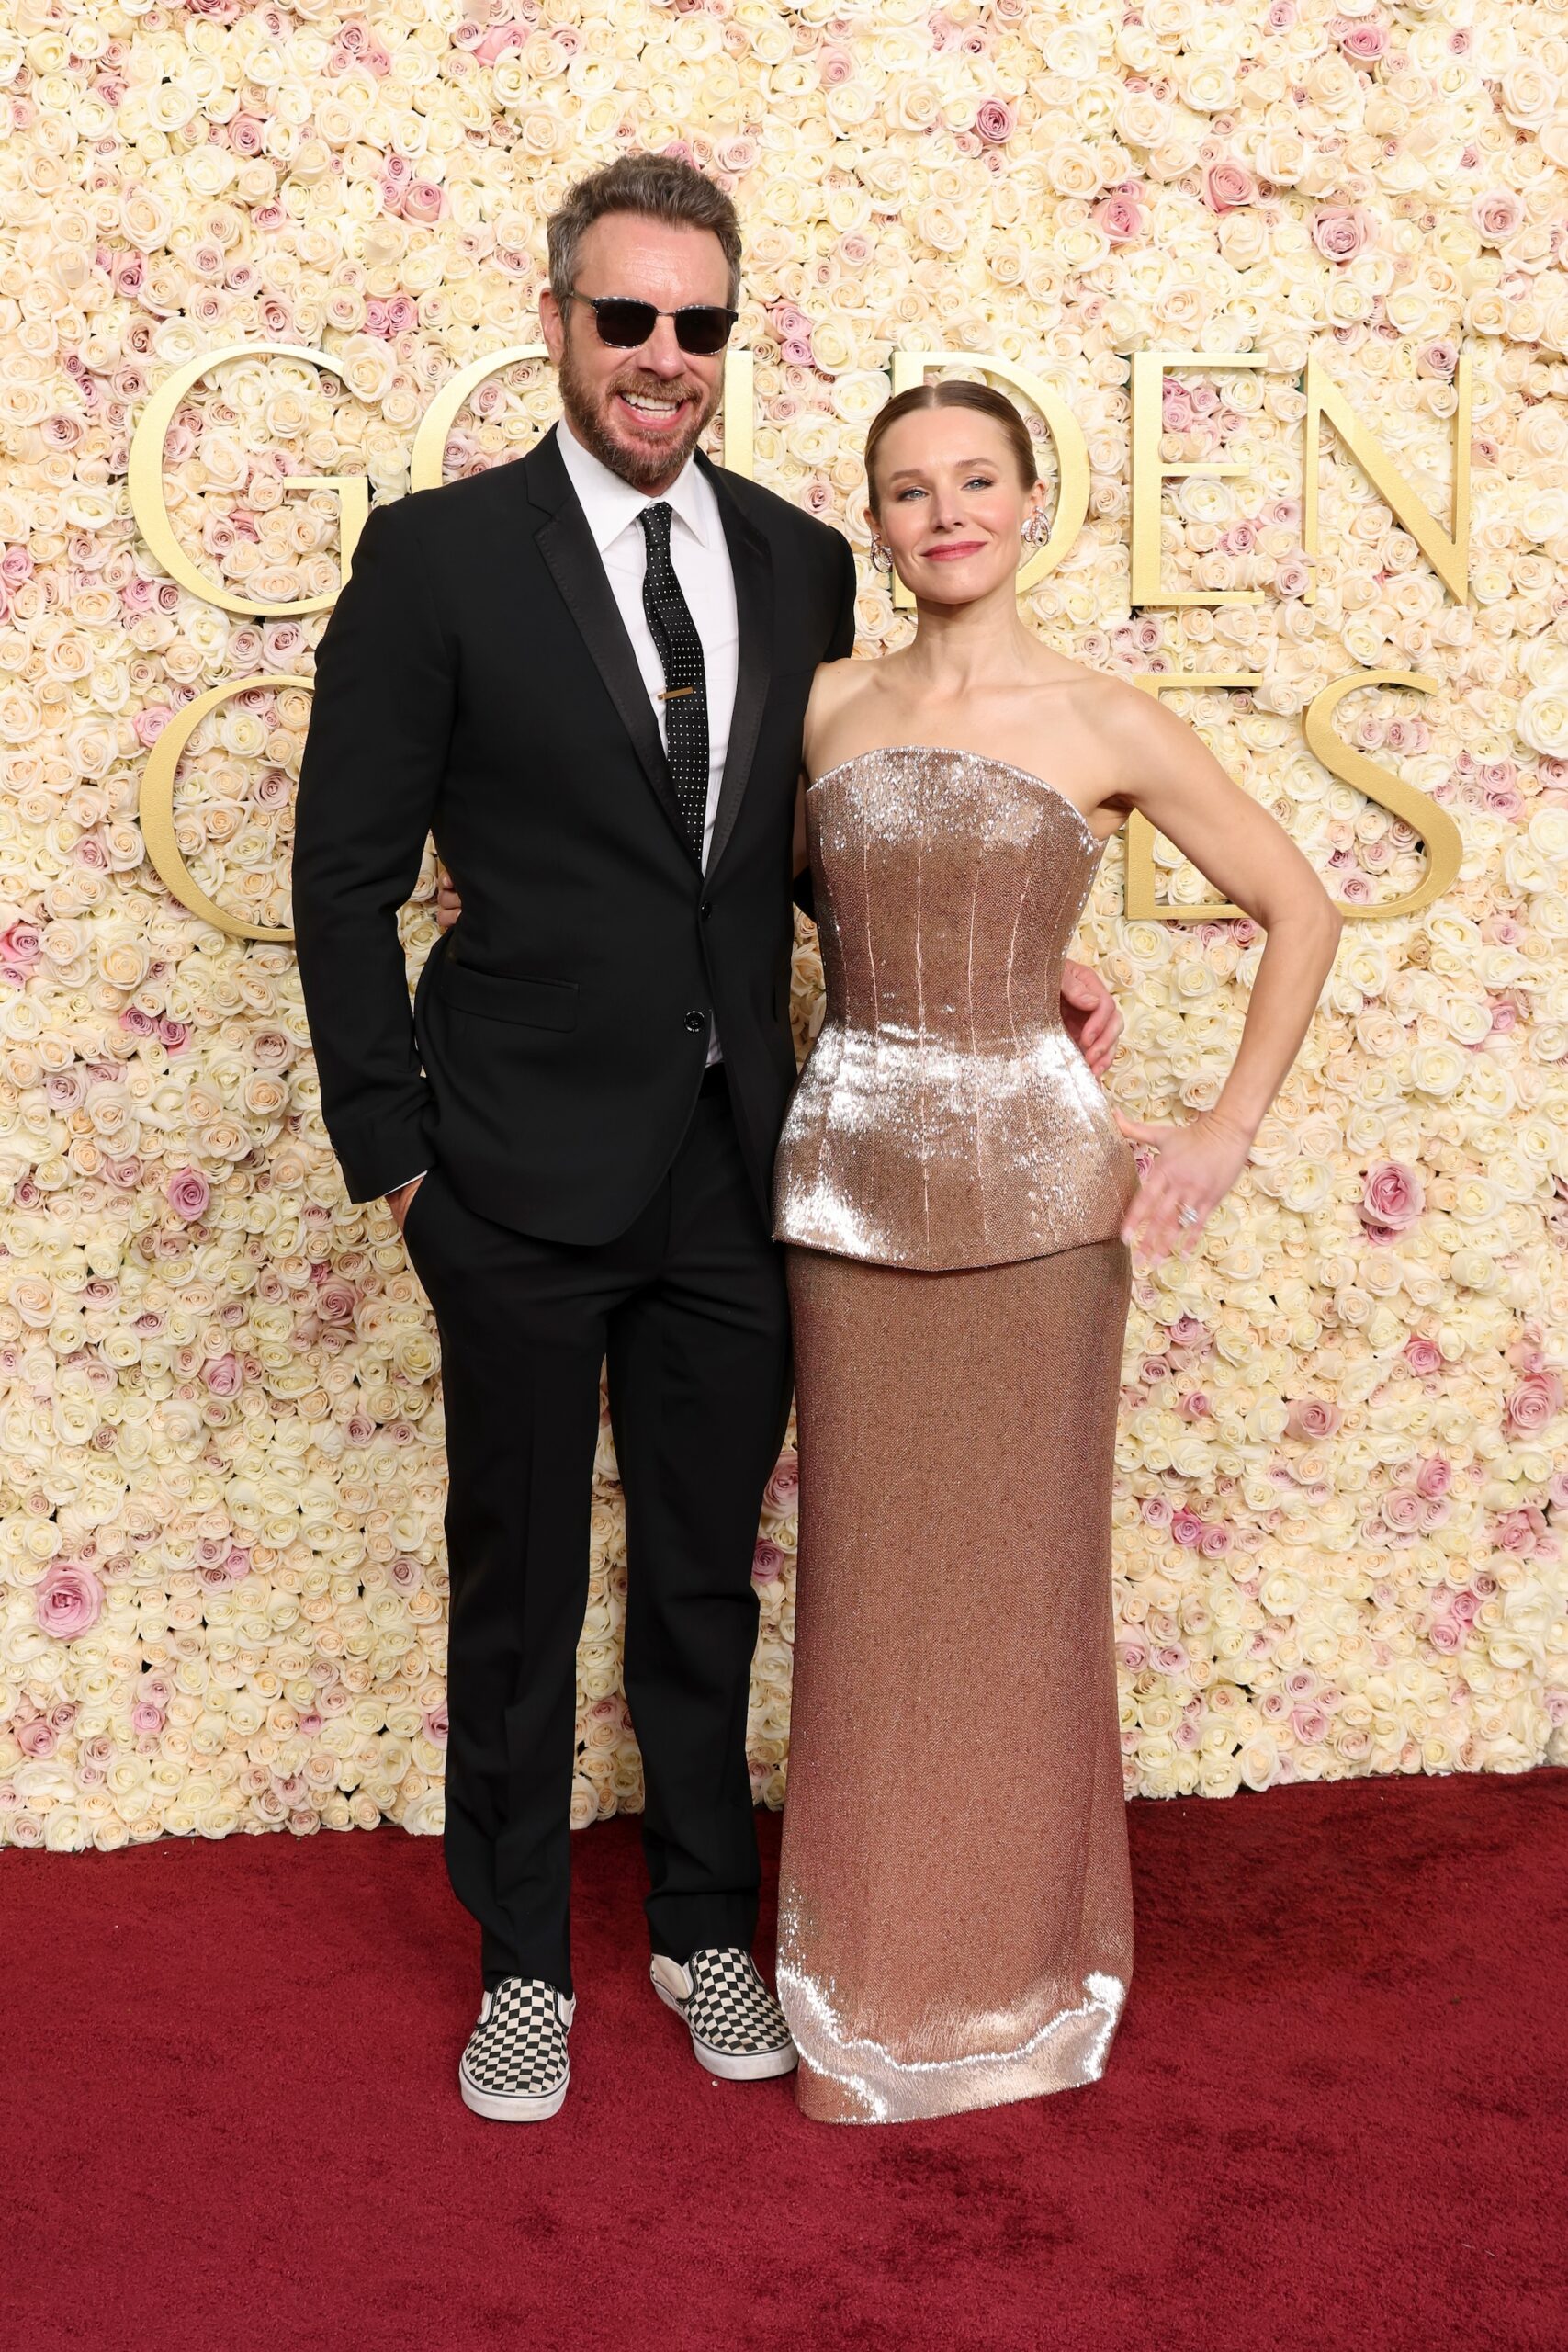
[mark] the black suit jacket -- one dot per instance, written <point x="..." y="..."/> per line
<point x="476" y="680"/>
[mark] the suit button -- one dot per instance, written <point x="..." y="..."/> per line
<point x="705" y="909"/>
<point x="694" y="1022"/>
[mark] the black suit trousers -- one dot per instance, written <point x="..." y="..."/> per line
<point x="687" y="1308"/>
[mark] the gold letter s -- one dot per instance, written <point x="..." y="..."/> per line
<point x="1414" y="807"/>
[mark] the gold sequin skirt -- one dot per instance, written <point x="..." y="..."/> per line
<point x="955" y="1920"/>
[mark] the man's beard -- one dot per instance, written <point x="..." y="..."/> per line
<point x="645" y="470"/>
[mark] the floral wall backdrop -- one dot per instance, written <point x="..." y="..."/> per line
<point x="222" y="1574"/>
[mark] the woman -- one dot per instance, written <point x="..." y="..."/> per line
<point x="955" y="1902"/>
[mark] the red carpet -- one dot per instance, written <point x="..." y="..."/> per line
<point x="1334" y="2116"/>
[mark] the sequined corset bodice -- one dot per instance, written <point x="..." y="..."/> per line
<point x="944" y="1117"/>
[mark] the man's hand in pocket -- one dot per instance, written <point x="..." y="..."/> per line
<point x="397" y="1201"/>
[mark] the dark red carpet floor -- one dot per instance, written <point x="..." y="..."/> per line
<point x="1334" y="2121"/>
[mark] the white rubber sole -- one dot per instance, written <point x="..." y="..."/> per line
<point x="759" y="2066"/>
<point x="498" y="2106"/>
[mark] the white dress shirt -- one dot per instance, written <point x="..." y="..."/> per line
<point x="701" y="560"/>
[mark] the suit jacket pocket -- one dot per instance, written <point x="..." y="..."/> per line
<point x="501" y="996"/>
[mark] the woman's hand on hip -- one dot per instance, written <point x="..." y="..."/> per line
<point x="449" y="905"/>
<point x="1090" y="1016"/>
<point x="1195" y="1167"/>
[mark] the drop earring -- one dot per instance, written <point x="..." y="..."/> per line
<point x="880" y="555"/>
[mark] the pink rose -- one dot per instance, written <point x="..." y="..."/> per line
<point x="1195" y="1408"/>
<point x="145" y="1717"/>
<point x="222" y="1376"/>
<point x="767" y="1562"/>
<point x="498" y="41"/>
<point x="834" y="66"/>
<point x="1313" y="1417"/>
<point x="188" y="1194"/>
<point x="1392" y="1197"/>
<point x="20" y="942"/>
<point x="1537" y="1400"/>
<point x="1340" y="232"/>
<point x="782" y="1489"/>
<point x="69" y="1600"/>
<point x="1119" y="217"/>
<point x="1186" y="1527"/>
<point x="1422" y="1356"/>
<point x="435" y="1725"/>
<point x="1497" y="215"/>
<point x="36" y="1738"/>
<point x="1227" y="186"/>
<point x="1434" y="1478"/>
<point x="1215" y="1541"/>
<point x="1523" y="1531"/>
<point x="1363" y="42"/>
<point x="994" y="122"/>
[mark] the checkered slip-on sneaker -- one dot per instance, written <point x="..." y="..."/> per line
<point x="515" y="2068"/>
<point x="738" y="2028"/>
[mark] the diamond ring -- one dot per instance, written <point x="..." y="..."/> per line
<point x="1186" y="1213"/>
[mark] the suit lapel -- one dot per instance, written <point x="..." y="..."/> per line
<point x="567" y="546"/>
<point x="751" y="565"/>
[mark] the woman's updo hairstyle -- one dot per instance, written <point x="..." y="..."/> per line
<point x="952" y="392"/>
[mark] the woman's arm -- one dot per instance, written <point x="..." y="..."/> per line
<point x="1175" y="781"/>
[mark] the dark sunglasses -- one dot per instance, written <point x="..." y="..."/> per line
<point x="701" y="328"/>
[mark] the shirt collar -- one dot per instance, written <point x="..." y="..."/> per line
<point x="612" y="506"/>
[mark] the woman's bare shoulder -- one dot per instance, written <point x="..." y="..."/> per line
<point x="1100" y="700"/>
<point x="838" y="689"/>
<point x="834" y="681"/>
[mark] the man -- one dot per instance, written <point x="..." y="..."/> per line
<point x="587" y="672"/>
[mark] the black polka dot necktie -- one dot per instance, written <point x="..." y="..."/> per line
<point x="685" y="695"/>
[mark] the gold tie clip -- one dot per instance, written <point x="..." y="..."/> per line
<point x="674" y="693"/>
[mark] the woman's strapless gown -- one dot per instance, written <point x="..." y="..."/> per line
<point x="954" y="1905"/>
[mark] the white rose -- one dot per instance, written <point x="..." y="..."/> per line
<point x="1541" y="720"/>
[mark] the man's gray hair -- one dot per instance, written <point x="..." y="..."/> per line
<point x="660" y="188"/>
